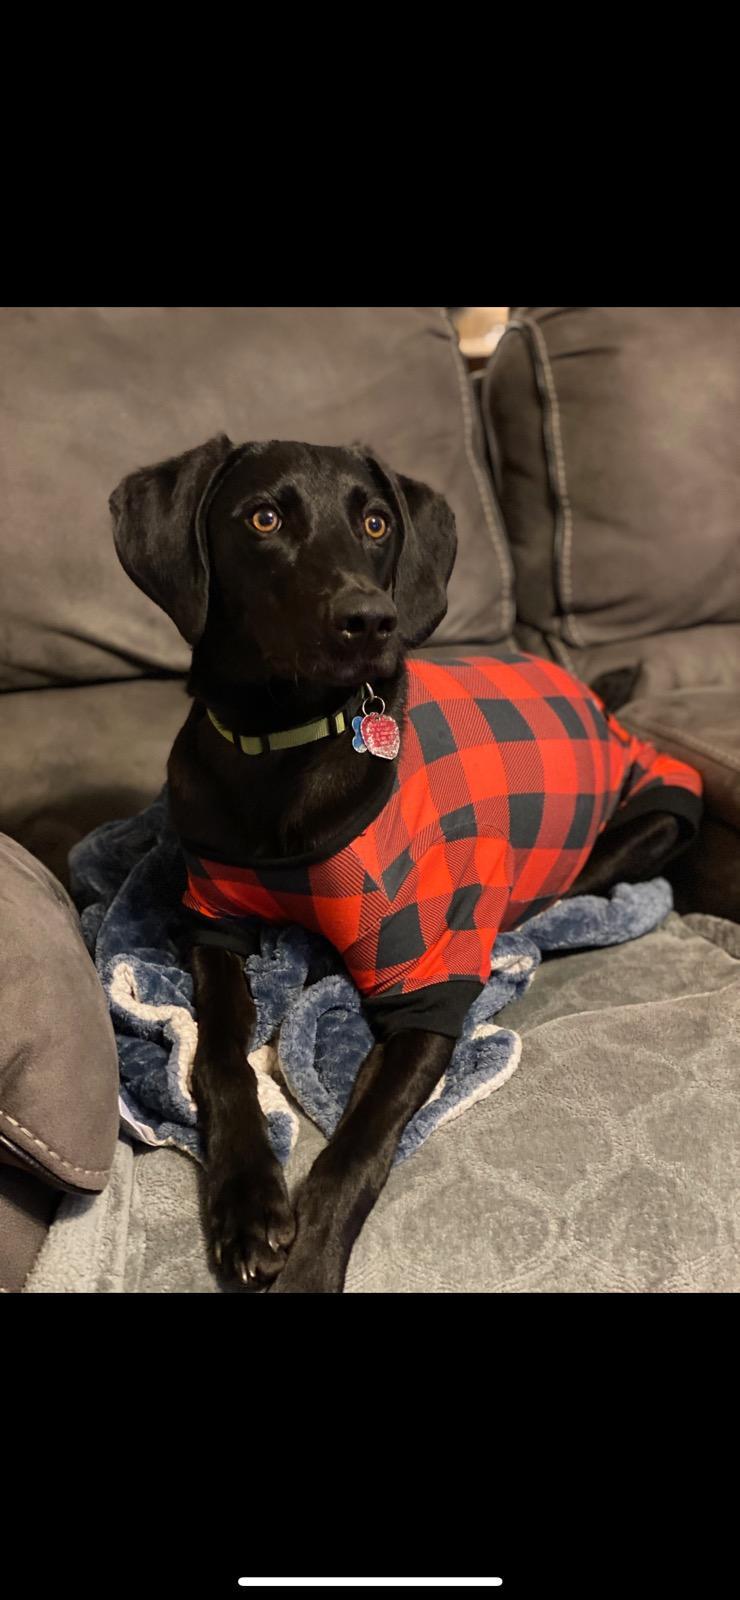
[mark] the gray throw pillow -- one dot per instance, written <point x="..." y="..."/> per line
<point x="614" y="435"/>
<point x="58" y="1060"/>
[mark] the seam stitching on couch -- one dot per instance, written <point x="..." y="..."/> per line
<point x="565" y="562"/>
<point x="560" y="648"/>
<point x="557" y="646"/>
<point x="500" y="543"/>
<point x="493" y="452"/>
<point x="89" y="1172"/>
<point x="555" y="462"/>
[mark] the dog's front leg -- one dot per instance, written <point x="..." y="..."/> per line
<point x="249" y="1218"/>
<point x="394" y="1081"/>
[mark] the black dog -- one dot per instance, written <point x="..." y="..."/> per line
<point x="298" y="574"/>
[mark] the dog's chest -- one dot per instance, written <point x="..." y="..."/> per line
<point x="287" y="806"/>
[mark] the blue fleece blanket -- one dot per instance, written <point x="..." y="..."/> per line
<point x="127" y="878"/>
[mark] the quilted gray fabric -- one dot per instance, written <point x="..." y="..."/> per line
<point x="609" y="1162"/>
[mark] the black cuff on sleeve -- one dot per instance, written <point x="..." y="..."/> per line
<point x="679" y="802"/>
<point x="241" y="937"/>
<point x="442" y="1008"/>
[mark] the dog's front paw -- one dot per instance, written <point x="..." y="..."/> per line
<point x="317" y="1264"/>
<point x="250" y="1222"/>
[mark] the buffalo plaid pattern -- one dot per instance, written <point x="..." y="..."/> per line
<point x="508" y="770"/>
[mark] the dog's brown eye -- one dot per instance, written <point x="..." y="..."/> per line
<point x="376" y="526"/>
<point x="265" y="520"/>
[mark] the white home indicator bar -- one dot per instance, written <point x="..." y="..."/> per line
<point x="371" y="1583"/>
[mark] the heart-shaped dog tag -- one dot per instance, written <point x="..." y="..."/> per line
<point x="381" y="735"/>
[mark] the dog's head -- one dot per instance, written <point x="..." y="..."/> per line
<point x="292" y="560"/>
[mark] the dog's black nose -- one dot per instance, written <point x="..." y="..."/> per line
<point x="366" y="618"/>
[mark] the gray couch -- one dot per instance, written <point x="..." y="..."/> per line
<point x="596" y="483"/>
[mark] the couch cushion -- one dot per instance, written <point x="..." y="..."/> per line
<point x="607" y="1164"/>
<point x="58" y="1060"/>
<point x="704" y="657"/>
<point x="75" y="757"/>
<point x="88" y="393"/>
<point x="614" y="435"/>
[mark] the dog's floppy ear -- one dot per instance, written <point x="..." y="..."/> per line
<point x="425" y="562"/>
<point x="160" y="537"/>
<point x="427" y="555"/>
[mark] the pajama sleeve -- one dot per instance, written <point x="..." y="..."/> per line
<point x="657" y="781"/>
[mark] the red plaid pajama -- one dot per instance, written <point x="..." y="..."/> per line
<point x="508" y="771"/>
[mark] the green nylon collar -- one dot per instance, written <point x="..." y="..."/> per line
<point x="260" y="744"/>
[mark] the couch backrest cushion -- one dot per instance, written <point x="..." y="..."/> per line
<point x="87" y="394"/>
<point x="614" y="430"/>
